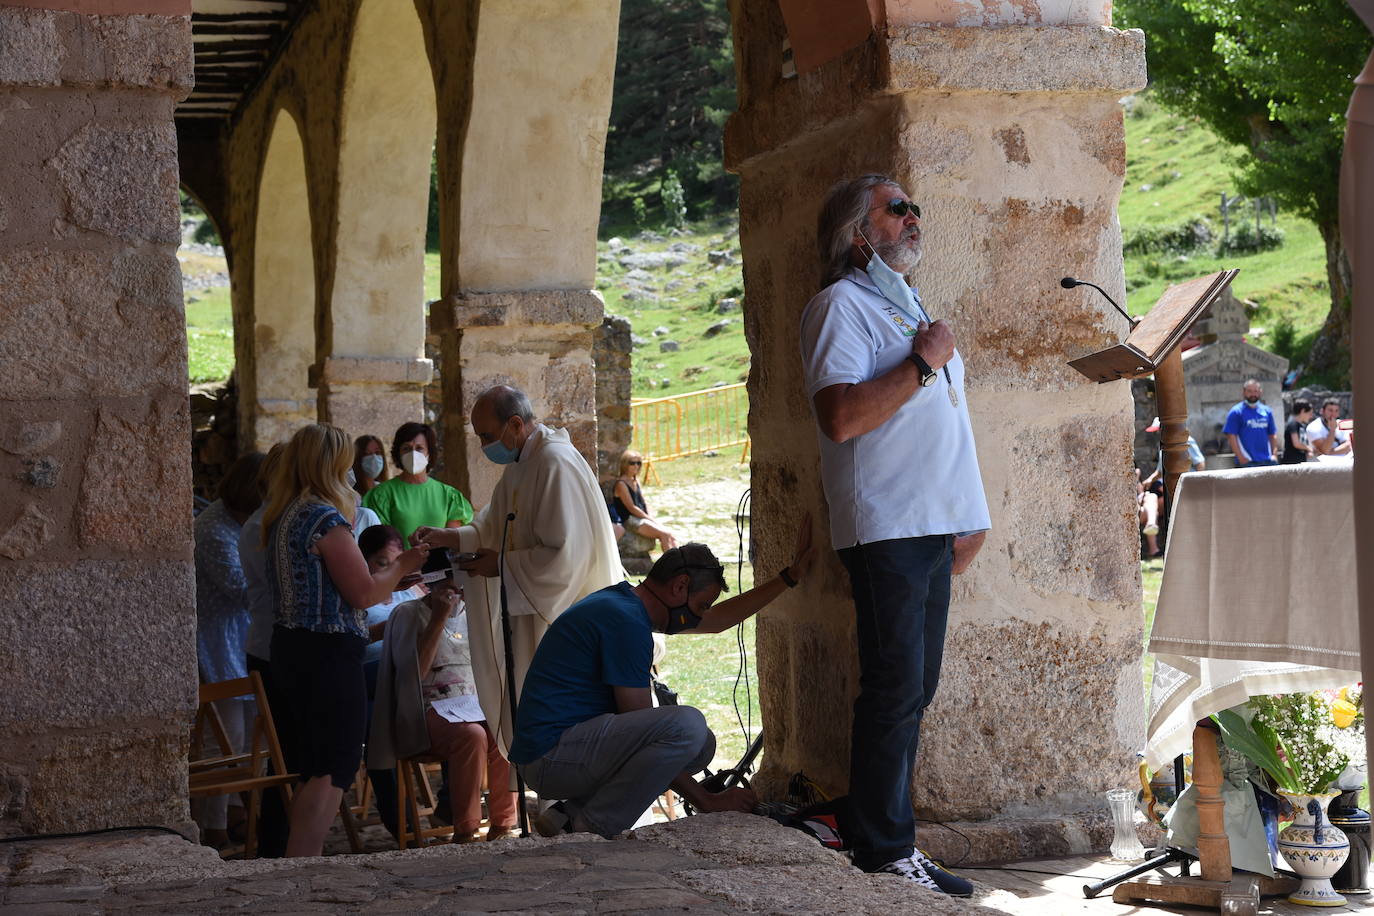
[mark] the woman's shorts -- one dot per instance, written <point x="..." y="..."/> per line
<point x="321" y="676"/>
<point x="632" y="523"/>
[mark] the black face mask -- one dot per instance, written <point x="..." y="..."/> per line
<point x="681" y="618"/>
<point x="1252" y="401"/>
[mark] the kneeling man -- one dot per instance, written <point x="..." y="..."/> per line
<point x="587" y="731"/>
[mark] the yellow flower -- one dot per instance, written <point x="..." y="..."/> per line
<point x="1343" y="712"/>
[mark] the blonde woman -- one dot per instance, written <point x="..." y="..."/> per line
<point x="634" y="512"/>
<point x="321" y="585"/>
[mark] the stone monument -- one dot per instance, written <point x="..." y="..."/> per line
<point x="1215" y="372"/>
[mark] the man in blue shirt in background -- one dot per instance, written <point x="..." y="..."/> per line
<point x="1251" y="430"/>
<point x="587" y="731"/>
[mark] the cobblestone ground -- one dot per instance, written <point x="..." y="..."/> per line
<point x="726" y="863"/>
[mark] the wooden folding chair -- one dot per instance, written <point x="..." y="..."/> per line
<point x="261" y="766"/>
<point x="414" y="792"/>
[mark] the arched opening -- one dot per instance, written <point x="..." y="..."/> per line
<point x="275" y="359"/>
<point x="373" y="368"/>
<point x="207" y="299"/>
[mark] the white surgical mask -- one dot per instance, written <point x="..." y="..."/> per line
<point x="372" y="465"/>
<point x="414" y="462"/>
<point x="893" y="285"/>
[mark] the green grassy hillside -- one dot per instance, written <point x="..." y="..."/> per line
<point x="1176" y="172"/>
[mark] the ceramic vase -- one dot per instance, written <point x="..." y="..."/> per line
<point x="1313" y="848"/>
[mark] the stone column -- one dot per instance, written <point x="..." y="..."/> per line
<point x="361" y="394"/>
<point x="520" y="149"/>
<point x="97" y="639"/>
<point x="1011" y="140"/>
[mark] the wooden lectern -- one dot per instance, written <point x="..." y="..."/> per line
<point x="1153" y="347"/>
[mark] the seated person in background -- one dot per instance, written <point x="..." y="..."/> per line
<point x="634" y="512"/>
<point x="1147" y="509"/>
<point x="413" y="498"/>
<point x="222" y="622"/>
<point x="1325" y="436"/>
<point x="426" y="663"/>
<point x="1296" y="447"/>
<point x="381" y="545"/>
<point x="369" y="463"/>
<point x="587" y="731"/>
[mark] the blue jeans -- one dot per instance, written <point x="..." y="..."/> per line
<point x="901" y="605"/>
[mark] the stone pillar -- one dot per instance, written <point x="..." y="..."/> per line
<point x="538" y="341"/>
<point x="520" y="150"/>
<point x="373" y="377"/>
<point x="361" y="394"/>
<point x="97" y="640"/>
<point x="612" y="355"/>
<point x="1011" y="140"/>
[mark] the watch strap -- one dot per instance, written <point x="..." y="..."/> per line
<point x="923" y="367"/>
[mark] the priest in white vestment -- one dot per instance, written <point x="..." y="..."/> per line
<point x="559" y="547"/>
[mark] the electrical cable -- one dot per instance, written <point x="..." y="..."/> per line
<point x="746" y="721"/>
<point x="33" y="837"/>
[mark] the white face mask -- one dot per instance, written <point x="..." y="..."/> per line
<point x="891" y="284"/>
<point x="372" y="465"/>
<point x="414" y="462"/>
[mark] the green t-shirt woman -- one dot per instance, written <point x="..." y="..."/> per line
<point x="413" y="498"/>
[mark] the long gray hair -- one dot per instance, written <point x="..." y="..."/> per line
<point x="844" y="210"/>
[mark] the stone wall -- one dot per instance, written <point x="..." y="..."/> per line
<point x="1011" y="139"/>
<point x="97" y="639"/>
<point x="611" y="355"/>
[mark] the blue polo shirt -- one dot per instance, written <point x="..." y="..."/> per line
<point x="1253" y="426"/>
<point x="602" y="642"/>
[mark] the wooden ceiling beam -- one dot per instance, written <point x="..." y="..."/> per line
<point x="235" y="44"/>
<point x="251" y="31"/>
<point x="231" y="18"/>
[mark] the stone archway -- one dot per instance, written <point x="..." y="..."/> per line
<point x="372" y="370"/>
<point x="275" y="354"/>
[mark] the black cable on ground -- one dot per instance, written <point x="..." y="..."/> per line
<point x="742" y="673"/>
<point x="33" y="837"/>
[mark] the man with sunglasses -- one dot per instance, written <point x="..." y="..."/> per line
<point x="587" y="731"/>
<point x="906" y="500"/>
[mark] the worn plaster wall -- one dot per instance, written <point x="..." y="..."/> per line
<point x="520" y="197"/>
<point x="97" y="657"/>
<point x="1011" y="140"/>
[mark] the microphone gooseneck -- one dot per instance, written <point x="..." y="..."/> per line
<point x="1070" y="283"/>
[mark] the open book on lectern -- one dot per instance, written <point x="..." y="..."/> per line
<point x="1158" y="332"/>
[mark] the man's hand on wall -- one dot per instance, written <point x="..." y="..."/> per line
<point x="965" y="549"/>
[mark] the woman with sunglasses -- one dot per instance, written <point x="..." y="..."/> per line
<point x="634" y="512"/>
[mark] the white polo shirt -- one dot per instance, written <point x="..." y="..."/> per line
<point x="916" y="474"/>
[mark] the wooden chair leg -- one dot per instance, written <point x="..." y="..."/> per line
<point x="355" y="841"/>
<point x="416" y="773"/>
<point x="402" y="793"/>
<point x="250" y="839"/>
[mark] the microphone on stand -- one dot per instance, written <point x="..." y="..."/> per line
<point x="521" y="813"/>
<point x="1070" y="283"/>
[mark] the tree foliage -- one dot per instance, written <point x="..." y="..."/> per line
<point x="1276" y="78"/>
<point x="674" y="90"/>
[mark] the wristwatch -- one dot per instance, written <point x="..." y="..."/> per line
<point x="923" y="367"/>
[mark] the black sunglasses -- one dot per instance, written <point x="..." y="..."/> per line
<point x="633" y="462"/>
<point x="898" y="207"/>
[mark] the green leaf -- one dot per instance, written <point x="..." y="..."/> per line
<point x="1242" y="736"/>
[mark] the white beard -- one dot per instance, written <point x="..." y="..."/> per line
<point x="900" y="256"/>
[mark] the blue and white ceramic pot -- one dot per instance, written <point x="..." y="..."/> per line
<point x="1314" y="849"/>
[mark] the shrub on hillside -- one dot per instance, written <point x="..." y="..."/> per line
<point x="1179" y="238"/>
<point x="1248" y="239"/>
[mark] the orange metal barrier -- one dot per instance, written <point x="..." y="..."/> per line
<point x="691" y="424"/>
